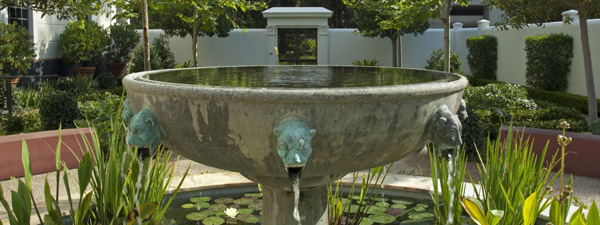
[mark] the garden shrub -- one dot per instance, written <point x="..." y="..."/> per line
<point x="106" y="80"/>
<point x="16" y="51"/>
<point x="83" y="42"/>
<point x="98" y="111"/>
<point x="13" y="124"/>
<point x="436" y="62"/>
<point x="503" y="104"/>
<point x="483" y="56"/>
<point x="366" y="62"/>
<point x="472" y="136"/>
<point x="58" y="107"/>
<point x="561" y="98"/>
<point x="504" y="96"/>
<point x="161" y="56"/>
<point x="122" y="39"/>
<point x="548" y="61"/>
<point x="68" y="84"/>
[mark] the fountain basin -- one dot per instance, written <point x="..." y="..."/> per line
<point x="356" y="128"/>
<point x="334" y="120"/>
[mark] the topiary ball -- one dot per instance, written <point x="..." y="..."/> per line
<point x="106" y="81"/>
<point x="68" y="84"/>
<point x="56" y="108"/>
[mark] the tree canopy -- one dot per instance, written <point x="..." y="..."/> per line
<point x="62" y="9"/>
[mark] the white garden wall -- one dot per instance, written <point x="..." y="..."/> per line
<point x="345" y="46"/>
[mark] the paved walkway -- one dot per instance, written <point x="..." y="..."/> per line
<point x="586" y="189"/>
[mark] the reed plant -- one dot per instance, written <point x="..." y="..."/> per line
<point x="340" y="208"/>
<point x="513" y="181"/>
<point x="448" y="175"/>
<point x="115" y="187"/>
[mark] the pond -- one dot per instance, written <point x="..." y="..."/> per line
<point x="208" y="207"/>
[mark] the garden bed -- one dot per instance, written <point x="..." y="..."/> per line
<point x="42" y="147"/>
<point x="583" y="153"/>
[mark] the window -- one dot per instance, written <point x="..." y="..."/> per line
<point x="19" y="15"/>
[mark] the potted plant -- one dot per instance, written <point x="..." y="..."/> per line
<point x="16" y="51"/>
<point x="83" y="43"/>
<point x="122" y="40"/>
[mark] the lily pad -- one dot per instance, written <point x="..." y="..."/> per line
<point x="245" y="211"/>
<point x="235" y="206"/>
<point x="403" y="201"/>
<point x="366" y="221"/>
<point x="394" y="212"/>
<point x="345" y="201"/>
<point x="200" y="199"/>
<point x="382" y="204"/>
<point x="380" y="199"/>
<point x="224" y="201"/>
<point x="375" y="209"/>
<point x="416" y="222"/>
<point x="257" y="195"/>
<point x="217" y="208"/>
<point x="353" y="208"/>
<point x="382" y="218"/>
<point x="255" y="206"/>
<point x="187" y="206"/>
<point x="213" y="220"/>
<point x="243" y="201"/>
<point x="248" y="218"/>
<point x="201" y="205"/>
<point x="421" y="216"/>
<point x="398" y="206"/>
<point x="420" y="207"/>
<point x="196" y="216"/>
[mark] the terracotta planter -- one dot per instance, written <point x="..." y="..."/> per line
<point x="42" y="148"/>
<point x="84" y="70"/>
<point x="14" y="81"/>
<point x="583" y="154"/>
<point x="116" y="68"/>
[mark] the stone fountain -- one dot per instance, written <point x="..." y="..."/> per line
<point x="318" y="123"/>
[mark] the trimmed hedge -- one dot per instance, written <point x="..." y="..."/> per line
<point x="548" y="61"/>
<point x="483" y="56"/>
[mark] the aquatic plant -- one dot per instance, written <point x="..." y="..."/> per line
<point x="448" y="176"/>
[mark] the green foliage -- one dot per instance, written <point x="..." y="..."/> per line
<point x="16" y="51"/>
<point x="512" y="173"/>
<point x="106" y="81"/>
<point x="500" y="103"/>
<point x="83" y="42"/>
<point x="341" y="207"/>
<point x="13" y="124"/>
<point x="472" y="134"/>
<point x="161" y="56"/>
<point x="56" y="108"/>
<point x="483" y="56"/>
<point x="503" y="96"/>
<point x="548" y="61"/>
<point x="448" y="175"/>
<point x="122" y="40"/>
<point x="366" y="62"/>
<point x="84" y="84"/>
<point x="436" y="62"/>
<point x="98" y="111"/>
<point x="561" y="98"/>
<point x="68" y="84"/>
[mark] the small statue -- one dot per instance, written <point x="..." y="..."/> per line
<point x="126" y="113"/>
<point x="145" y="131"/>
<point x="445" y="129"/>
<point x="294" y="136"/>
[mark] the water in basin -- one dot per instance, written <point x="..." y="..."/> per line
<point x="300" y="77"/>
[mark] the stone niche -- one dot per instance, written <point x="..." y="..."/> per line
<point x="298" y="17"/>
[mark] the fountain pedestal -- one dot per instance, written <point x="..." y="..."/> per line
<point x="278" y="206"/>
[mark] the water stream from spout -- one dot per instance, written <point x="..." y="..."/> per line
<point x="451" y="187"/>
<point x="294" y="175"/>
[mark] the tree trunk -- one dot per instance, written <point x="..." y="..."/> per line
<point x="394" y="51"/>
<point x="195" y="41"/>
<point x="445" y="14"/>
<point x="399" y="50"/>
<point x="146" y="35"/>
<point x="589" y="74"/>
